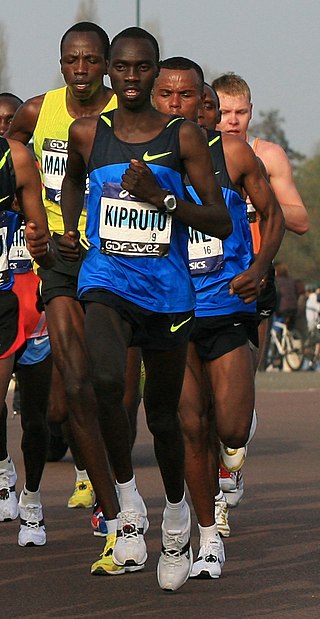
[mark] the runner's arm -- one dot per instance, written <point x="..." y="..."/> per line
<point x="73" y="186"/>
<point x="28" y="193"/>
<point x="212" y="217"/>
<point x="283" y="185"/>
<point x="25" y="120"/>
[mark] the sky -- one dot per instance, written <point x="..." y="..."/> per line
<point x="273" y="44"/>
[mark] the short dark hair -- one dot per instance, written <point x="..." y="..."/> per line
<point x="10" y="94"/>
<point x="183" y="64"/>
<point x="88" y="26"/>
<point x="136" y="33"/>
<point x="214" y="92"/>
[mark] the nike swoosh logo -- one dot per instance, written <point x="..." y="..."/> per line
<point x="175" y="328"/>
<point x="236" y="324"/>
<point x="147" y="157"/>
<point x="5" y="198"/>
<point x="38" y="341"/>
<point x="217" y="172"/>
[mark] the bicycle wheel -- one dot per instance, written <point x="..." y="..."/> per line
<point x="294" y="353"/>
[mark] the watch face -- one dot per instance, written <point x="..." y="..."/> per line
<point x="170" y="202"/>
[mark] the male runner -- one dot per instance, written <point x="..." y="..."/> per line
<point x="33" y="369"/>
<point x="227" y="282"/>
<point x="84" y="50"/>
<point x="135" y="281"/>
<point x="209" y="112"/>
<point x="236" y="112"/>
<point x="18" y="177"/>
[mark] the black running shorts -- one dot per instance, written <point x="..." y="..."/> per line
<point x="150" y="330"/>
<point x="11" y="328"/>
<point x="215" y="336"/>
<point x="62" y="279"/>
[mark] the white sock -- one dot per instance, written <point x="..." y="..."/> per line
<point x="81" y="475"/>
<point x="29" y="498"/>
<point x="219" y="496"/>
<point x="7" y="464"/>
<point x="129" y="497"/>
<point x="175" y="515"/>
<point x="207" y="534"/>
<point x="253" y="426"/>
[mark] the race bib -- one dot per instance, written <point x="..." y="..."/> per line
<point x="128" y="227"/>
<point x="54" y="163"/>
<point x="205" y="253"/>
<point x="19" y="257"/>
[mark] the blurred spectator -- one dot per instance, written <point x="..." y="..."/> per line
<point x="312" y="306"/>
<point x="301" y="323"/>
<point x="287" y="296"/>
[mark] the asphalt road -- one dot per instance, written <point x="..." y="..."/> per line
<point x="272" y="567"/>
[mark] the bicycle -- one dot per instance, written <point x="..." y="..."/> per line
<point x="285" y="344"/>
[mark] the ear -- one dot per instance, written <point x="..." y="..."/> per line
<point x="60" y="63"/>
<point x="251" y="110"/>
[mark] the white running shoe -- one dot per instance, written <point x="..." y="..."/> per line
<point x="221" y="513"/>
<point x="8" y="499"/>
<point x="232" y="459"/>
<point x="32" y="530"/>
<point x="210" y="560"/>
<point x="227" y="480"/>
<point x="130" y="548"/>
<point x="234" y="497"/>
<point x="175" y="562"/>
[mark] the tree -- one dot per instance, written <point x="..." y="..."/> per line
<point x="270" y="128"/>
<point x="302" y="254"/>
<point x="4" y="80"/>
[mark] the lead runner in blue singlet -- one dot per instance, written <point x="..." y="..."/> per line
<point x="136" y="284"/>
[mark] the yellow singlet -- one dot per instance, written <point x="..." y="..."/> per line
<point x="50" y="147"/>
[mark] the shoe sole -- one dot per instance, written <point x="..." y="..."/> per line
<point x="29" y="544"/>
<point x="204" y="575"/>
<point x="101" y="572"/>
<point x="80" y="506"/>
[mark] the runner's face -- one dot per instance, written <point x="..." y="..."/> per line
<point x="83" y="64"/>
<point x="209" y="114"/>
<point x="178" y="91"/>
<point x="236" y="112"/>
<point x="132" y="71"/>
<point x="8" y="107"/>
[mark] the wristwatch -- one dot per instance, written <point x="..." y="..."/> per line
<point x="170" y="203"/>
